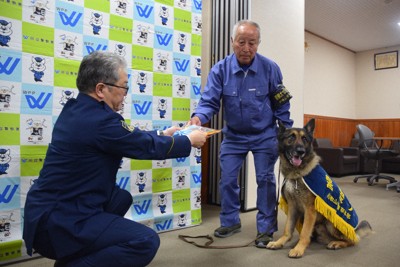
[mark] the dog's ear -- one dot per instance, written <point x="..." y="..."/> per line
<point x="282" y="127"/>
<point x="310" y="126"/>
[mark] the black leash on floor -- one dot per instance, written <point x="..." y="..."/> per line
<point x="211" y="240"/>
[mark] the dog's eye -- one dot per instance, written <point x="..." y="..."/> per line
<point x="291" y="138"/>
<point x="304" y="139"/>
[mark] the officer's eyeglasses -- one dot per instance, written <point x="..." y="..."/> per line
<point x="122" y="87"/>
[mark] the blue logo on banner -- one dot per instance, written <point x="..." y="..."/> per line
<point x="144" y="12"/>
<point x="164" y="40"/>
<point x="92" y="44"/>
<point x="71" y="19"/>
<point x="3" y="196"/>
<point x="142" y="209"/>
<point x="182" y="67"/>
<point x="181" y="64"/>
<point x="181" y="159"/>
<point x="196" y="89"/>
<point x="165" y="226"/>
<point x="142" y="109"/>
<point x="10" y="65"/>
<point x="123" y="182"/>
<point x="99" y="47"/>
<point x="38" y="99"/>
<point x="8" y="69"/>
<point x="196" y="178"/>
<point x="181" y="162"/>
<point x="198" y="4"/>
<point x="38" y="102"/>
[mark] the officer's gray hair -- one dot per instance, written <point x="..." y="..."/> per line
<point x="244" y="22"/>
<point x="99" y="66"/>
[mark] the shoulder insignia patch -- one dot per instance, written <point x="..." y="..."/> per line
<point x="128" y="127"/>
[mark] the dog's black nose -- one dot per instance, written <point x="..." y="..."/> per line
<point x="300" y="150"/>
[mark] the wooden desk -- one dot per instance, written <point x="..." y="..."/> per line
<point x="384" y="138"/>
<point x="387" y="138"/>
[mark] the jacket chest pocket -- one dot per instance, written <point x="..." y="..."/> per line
<point x="256" y="99"/>
<point x="255" y="93"/>
<point x="231" y="100"/>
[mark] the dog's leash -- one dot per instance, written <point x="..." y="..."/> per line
<point x="209" y="242"/>
<point x="209" y="245"/>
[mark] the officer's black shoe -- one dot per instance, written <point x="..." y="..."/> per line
<point x="263" y="239"/>
<point x="228" y="230"/>
<point x="60" y="263"/>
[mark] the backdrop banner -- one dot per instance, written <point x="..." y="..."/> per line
<point x="41" y="45"/>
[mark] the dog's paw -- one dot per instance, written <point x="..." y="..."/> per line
<point x="274" y="245"/>
<point x="296" y="253"/>
<point x="337" y="244"/>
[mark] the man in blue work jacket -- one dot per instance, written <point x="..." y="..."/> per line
<point x="254" y="99"/>
<point x="74" y="210"/>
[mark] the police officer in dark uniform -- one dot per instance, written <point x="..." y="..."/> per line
<point x="74" y="210"/>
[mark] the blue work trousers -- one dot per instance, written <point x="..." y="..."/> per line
<point x="234" y="150"/>
<point x="124" y="243"/>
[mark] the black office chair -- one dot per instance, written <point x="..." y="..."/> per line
<point x="371" y="150"/>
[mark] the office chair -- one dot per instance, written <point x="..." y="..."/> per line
<point x="371" y="150"/>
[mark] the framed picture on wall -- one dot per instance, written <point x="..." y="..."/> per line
<point x="386" y="60"/>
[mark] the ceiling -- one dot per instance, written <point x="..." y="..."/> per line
<point x="357" y="25"/>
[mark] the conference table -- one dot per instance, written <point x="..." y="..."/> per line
<point x="383" y="139"/>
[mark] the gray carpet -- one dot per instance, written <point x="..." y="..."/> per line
<point x="373" y="203"/>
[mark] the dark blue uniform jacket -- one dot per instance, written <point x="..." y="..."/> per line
<point x="79" y="173"/>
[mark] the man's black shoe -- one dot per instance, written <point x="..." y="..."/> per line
<point x="228" y="230"/>
<point x="59" y="264"/>
<point x="263" y="239"/>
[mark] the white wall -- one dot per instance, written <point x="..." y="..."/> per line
<point x="325" y="79"/>
<point x="377" y="91"/>
<point x="205" y="41"/>
<point x="329" y="79"/>
<point x="282" y="38"/>
<point x="340" y="83"/>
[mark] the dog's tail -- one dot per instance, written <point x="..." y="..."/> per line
<point x="363" y="229"/>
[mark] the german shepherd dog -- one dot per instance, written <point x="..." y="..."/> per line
<point x="297" y="160"/>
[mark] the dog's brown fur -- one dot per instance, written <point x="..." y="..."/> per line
<point x="295" y="144"/>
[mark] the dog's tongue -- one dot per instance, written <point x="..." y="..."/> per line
<point x="296" y="161"/>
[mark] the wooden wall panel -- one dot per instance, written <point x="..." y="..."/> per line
<point x="339" y="130"/>
<point x="383" y="127"/>
<point x="342" y="130"/>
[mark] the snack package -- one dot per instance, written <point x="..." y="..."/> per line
<point x="190" y="128"/>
